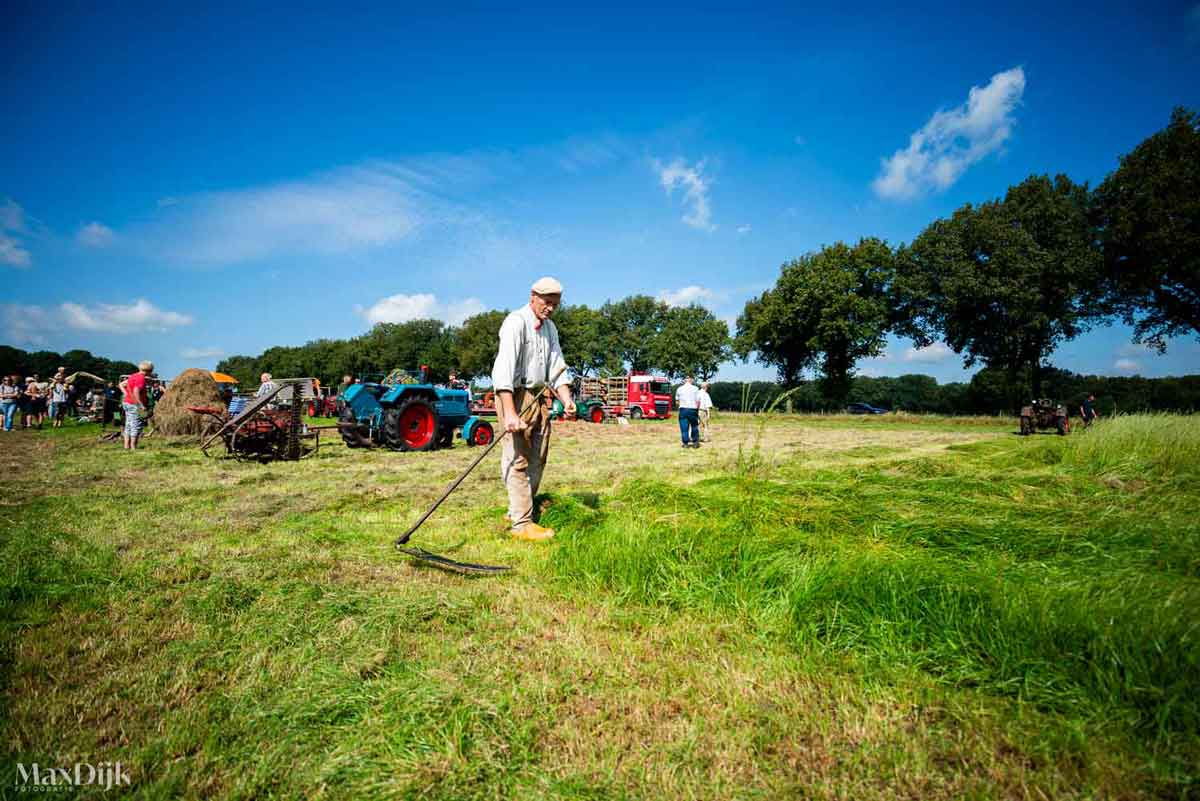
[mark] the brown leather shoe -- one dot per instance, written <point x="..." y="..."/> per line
<point x="532" y="532"/>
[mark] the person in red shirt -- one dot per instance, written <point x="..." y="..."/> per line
<point x="133" y="402"/>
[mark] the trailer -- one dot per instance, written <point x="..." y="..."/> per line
<point x="635" y="395"/>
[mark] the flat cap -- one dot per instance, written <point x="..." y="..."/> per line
<point x="547" y="286"/>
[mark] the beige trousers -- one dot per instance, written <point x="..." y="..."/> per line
<point x="522" y="460"/>
<point x="704" y="424"/>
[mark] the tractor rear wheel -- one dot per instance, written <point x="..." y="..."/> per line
<point x="596" y="415"/>
<point x="411" y="426"/>
<point x="349" y="429"/>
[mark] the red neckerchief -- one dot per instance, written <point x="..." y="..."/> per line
<point x="537" y="321"/>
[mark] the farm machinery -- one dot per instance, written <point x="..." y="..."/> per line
<point x="403" y="412"/>
<point x="1044" y="413"/>
<point x="268" y="427"/>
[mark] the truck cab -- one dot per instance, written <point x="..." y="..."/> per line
<point x="649" y="396"/>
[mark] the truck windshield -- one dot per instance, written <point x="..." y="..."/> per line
<point x="660" y="387"/>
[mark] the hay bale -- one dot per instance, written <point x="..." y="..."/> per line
<point x="191" y="388"/>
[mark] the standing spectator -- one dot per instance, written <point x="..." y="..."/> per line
<point x="9" y="396"/>
<point x="705" y="408"/>
<point x="133" y="401"/>
<point x="1087" y="410"/>
<point x="23" y="402"/>
<point x="37" y="401"/>
<point x="58" y="400"/>
<point x="687" y="400"/>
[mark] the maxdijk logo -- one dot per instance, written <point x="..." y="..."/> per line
<point x="36" y="779"/>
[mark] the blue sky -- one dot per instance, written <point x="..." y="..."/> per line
<point x="183" y="187"/>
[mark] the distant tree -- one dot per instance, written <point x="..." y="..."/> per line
<point x="589" y="340"/>
<point x="827" y="310"/>
<point x="1148" y="215"/>
<point x="635" y="324"/>
<point x="476" y="344"/>
<point x="245" y="369"/>
<point x="1006" y="282"/>
<point x="692" y="341"/>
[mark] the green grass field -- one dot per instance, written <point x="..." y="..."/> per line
<point x="809" y="607"/>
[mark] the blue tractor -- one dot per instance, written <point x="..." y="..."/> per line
<point x="404" y="413"/>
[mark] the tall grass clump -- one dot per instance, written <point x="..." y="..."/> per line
<point x="1153" y="446"/>
<point x="830" y="561"/>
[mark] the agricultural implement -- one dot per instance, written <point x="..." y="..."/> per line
<point x="404" y="413"/>
<point x="268" y="428"/>
<point x="1044" y="413"/>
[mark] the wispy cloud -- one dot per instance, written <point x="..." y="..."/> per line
<point x="744" y="229"/>
<point x="12" y="225"/>
<point x="139" y="316"/>
<point x="953" y="140"/>
<point x="28" y="324"/>
<point x="685" y="296"/>
<point x="201" y="354"/>
<point x="1127" y="365"/>
<point x="695" y="191"/>
<point x="95" y="235"/>
<point x="402" y="308"/>
<point x="930" y="354"/>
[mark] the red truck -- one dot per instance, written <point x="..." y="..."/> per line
<point x="636" y="395"/>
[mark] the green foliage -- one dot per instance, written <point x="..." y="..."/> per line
<point x="588" y="340"/>
<point x="692" y="342"/>
<point x="1148" y="214"/>
<point x="475" y="344"/>
<point x="14" y="361"/>
<point x="1006" y="282"/>
<point x="827" y="309"/>
<point x="633" y="325"/>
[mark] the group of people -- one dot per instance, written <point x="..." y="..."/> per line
<point x="32" y="401"/>
<point x="694" y="406"/>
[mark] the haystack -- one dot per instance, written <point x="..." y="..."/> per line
<point x="191" y="388"/>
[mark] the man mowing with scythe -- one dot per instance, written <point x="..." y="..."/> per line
<point x="529" y="355"/>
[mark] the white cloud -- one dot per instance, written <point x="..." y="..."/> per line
<point x="25" y="325"/>
<point x="1127" y="365"/>
<point x="402" y="308"/>
<point x="12" y="223"/>
<point x="339" y="212"/>
<point x="1132" y="349"/>
<point x="200" y="354"/>
<point x="139" y="316"/>
<point x="744" y="229"/>
<point x="688" y="295"/>
<point x="95" y="235"/>
<point x="953" y="140"/>
<point x="930" y="354"/>
<point x="695" y="191"/>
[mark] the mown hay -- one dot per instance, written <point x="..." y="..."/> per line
<point x="192" y="387"/>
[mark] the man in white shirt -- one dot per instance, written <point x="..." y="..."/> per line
<point x="529" y="355"/>
<point x="687" y="401"/>
<point x="705" y="406"/>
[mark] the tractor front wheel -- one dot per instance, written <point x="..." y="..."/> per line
<point x="482" y="434"/>
<point x="412" y="426"/>
<point x="349" y="428"/>
<point x="596" y="415"/>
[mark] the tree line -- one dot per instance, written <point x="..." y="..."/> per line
<point x="43" y="363"/>
<point x="636" y="333"/>
<point x="987" y="392"/>
<point x="1003" y="283"/>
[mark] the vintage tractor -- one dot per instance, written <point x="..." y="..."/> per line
<point x="404" y="413"/>
<point x="589" y="409"/>
<point x="1044" y="413"/>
